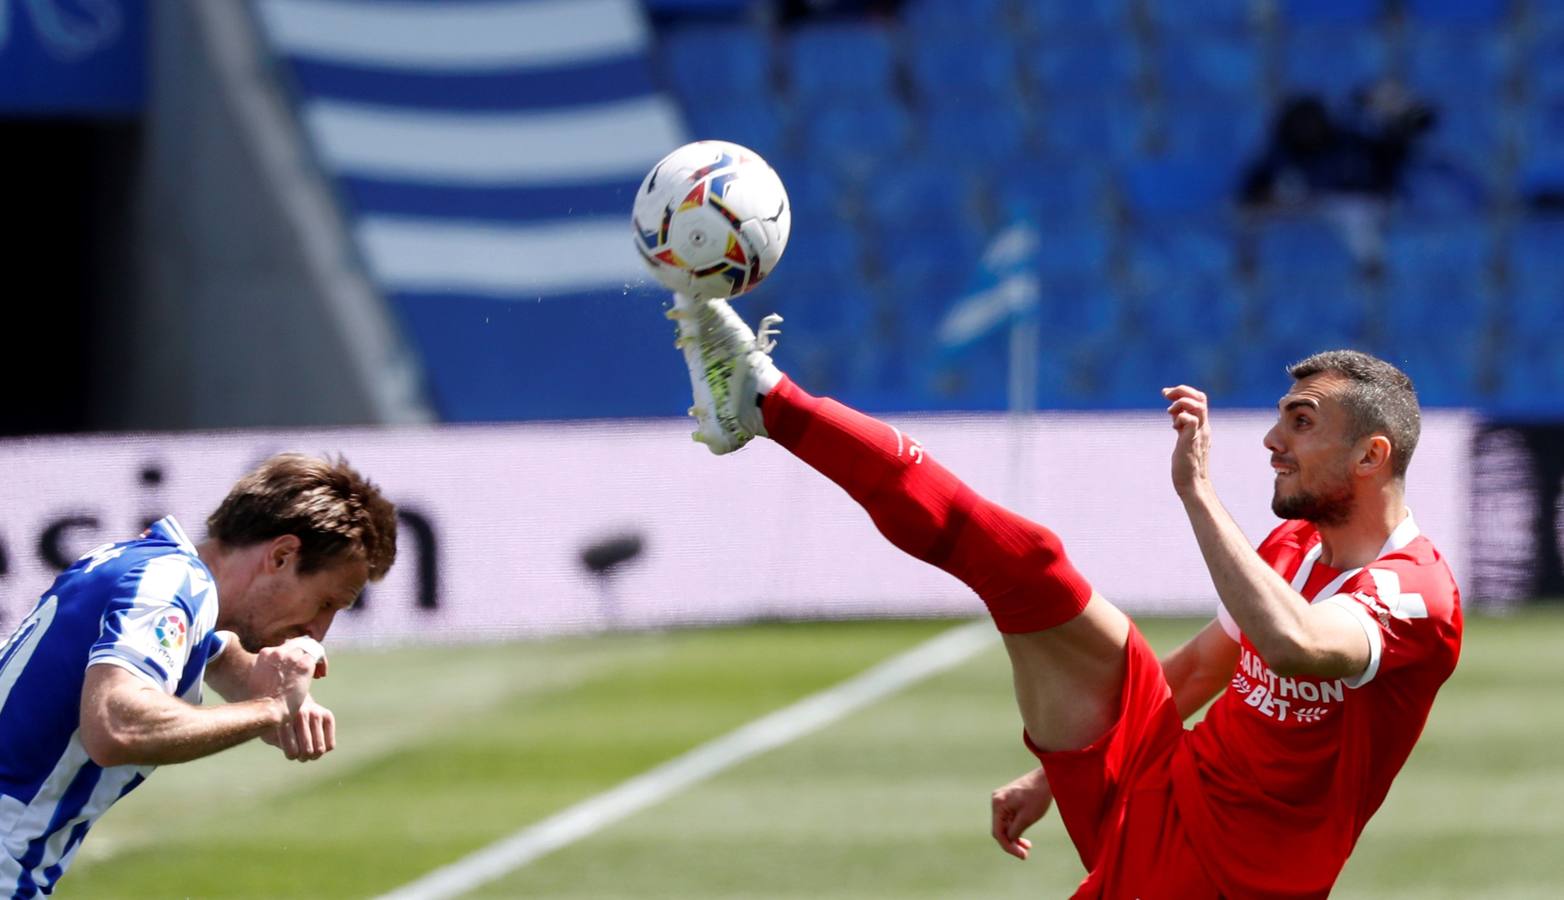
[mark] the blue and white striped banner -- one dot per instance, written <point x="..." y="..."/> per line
<point x="490" y="146"/>
<point x="487" y="153"/>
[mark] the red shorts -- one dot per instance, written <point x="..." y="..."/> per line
<point x="1116" y="796"/>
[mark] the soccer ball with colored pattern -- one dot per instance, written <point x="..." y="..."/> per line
<point x="711" y="220"/>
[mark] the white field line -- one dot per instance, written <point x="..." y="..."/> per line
<point x="810" y="714"/>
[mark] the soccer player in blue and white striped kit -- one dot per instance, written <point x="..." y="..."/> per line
<point x="101" y="683"/>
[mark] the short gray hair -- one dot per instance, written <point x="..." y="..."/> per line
<point x="1378" y="398"/>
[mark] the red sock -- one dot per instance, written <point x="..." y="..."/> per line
<point x="1016" y="566"/>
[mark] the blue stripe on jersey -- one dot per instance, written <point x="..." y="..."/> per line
<point x="510" y="90"/>
<point x="70" y="805"/>
<point x="53" y="873"/>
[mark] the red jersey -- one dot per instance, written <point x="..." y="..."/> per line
<point x="1279" y="779"/>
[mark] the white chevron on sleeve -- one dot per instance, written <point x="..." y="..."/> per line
<point x="1402" y="606"/>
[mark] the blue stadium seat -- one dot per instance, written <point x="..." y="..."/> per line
<point x="757" y="124"/>
<point x="1543" y="71"/>
<point x="1203" y="14"/>
<point x="1471" y="128"/>
<point x="1050" y="192"/>
<point x="1081" y="311"/>
<point x="1312" y="302"/>
<point x="1542" y="173"/>
<point x="1043" y="17"/>
<point x="1222" y="64"/>
<point x="1457" y="60"/>
<point x="1535" y="301"/>
<point x="919" y="190"/>
<point x="819" y="306"/>
<point x="1543" y="128"/>
<point x="965" y="69"/>
<point x="1176" y="187"/>
<point x="1307" y="280"/>
<point x="829" y="327"/>
<point x="828" y="249"/>
<point x="948" y="17"/>
<point x="1184" y="282"/>
<point x="1445" y="368"/>
<point x="1457" y="255"/>
<point x="1331" y="58"/>
<point x="976" y="379"/>
<point x="1532" y="377"/>
<point x="1429" y="296"/>
<point x="1191" y="310"/>
<point x="1546" y="19"/>
<point x="1225" y="133"/>
<point x="1074" y="255"/>
<point x="816" y="192"/>
<point x="1464" y="12"/>
<point x="971" y="137"/>
<point x="1300" y="244"/>
<point x="853" y="138"/>
<point x="1067" y="370"/>
<point x="841" y="61"/>
<point x="1533" y="307"/>
<point x="1091" y="65"/>
<point x="1161" y="257"/>
<point x="707" y="62"/>
<point x="1144" y="365"/>
<point x="1439" y="187"/>
<point x="1103" y="128"/>
<point x="924" y="275"/>
<point x="1335" y="12"/>
<point x="1535" y="256"/>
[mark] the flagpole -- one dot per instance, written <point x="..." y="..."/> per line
<point x="1022" y="391"/>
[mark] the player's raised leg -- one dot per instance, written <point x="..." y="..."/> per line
<point x="1066" y="642"/>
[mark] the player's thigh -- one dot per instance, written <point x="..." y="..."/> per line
<point x="1069" y="679"/>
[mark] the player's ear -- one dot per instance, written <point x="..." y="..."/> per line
<point x="281" y="551"/>
<point x="1373" y="454"/>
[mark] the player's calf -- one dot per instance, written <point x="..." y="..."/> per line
<point x="1016" y="566"/>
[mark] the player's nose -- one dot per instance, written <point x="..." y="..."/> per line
<point x="321" y="624"/>
<point x="1273" y="440"/>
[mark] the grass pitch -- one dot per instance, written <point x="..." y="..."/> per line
<point x="444" y="750"/>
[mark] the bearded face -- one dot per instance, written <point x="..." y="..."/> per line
<point x="1328" y="502"/>
<point x="1311" y="454"/>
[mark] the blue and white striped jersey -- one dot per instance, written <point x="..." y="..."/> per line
<point x="148" y="606"/>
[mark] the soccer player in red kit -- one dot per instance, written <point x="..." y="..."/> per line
<point x="1331" y="643"/>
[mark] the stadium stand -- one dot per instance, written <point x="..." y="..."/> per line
<point x="1117" y="129"/>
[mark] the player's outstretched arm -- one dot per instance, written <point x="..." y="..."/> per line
<point x="125" y="720"/>
<point x="1294" y="637"/>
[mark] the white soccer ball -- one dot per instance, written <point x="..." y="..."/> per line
<point x="711" y="220"/>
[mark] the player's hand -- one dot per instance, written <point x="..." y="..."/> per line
<point x="1016" y="806"/>
<point x="285" y="672"/>
<point x="308" y="734"/>
<point x="1191" y="419"/>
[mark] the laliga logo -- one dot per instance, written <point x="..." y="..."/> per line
<point x="170" y="631"/>
<point x="67" y="36"/>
